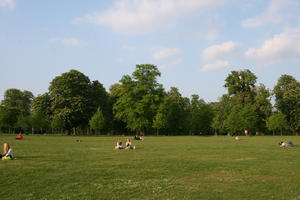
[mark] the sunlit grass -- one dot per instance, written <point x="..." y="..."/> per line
<point x="58" y="167"/>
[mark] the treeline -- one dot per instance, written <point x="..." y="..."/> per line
<point x="138" y="104"/>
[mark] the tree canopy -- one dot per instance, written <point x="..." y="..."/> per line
<point x="138" y="103"/>
<point x="138" y="98"/>
<point x="74" y="98"/>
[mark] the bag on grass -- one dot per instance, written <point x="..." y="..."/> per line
<point x="6" y="158"/>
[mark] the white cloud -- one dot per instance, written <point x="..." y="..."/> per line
<point x="219" y="51"/>
<point x="68" y="41"/>
<point x="170" y="64"/>
<point x="219" y="64"/>
<point x="7" y="3"/>
<point x="166" y="53"/>
<point x="218" y="55"/>
<point x="285" y="45"/>
<point x="141" y="16"/>
<point x="277" y="12"/>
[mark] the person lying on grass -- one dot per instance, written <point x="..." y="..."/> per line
<point x="129" y="144"/>
<point x="119" y="144"/>
<point x="19" y="137"/>
<point x="137" y="137"/>
<point x="286" y="144"/>
<point x="7" y="152"/>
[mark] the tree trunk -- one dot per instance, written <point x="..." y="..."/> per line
<point x="142" y="132"/>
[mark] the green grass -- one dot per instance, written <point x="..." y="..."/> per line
<point x="57" y="167"/>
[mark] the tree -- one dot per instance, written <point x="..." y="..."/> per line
<point x="277" y="122"/>
<point x="200" y="116"/>
<point x="15" y="98"/>
<point x="248" y="106"/>
<point x="24" y="123"/>
<point x="39" y="121"/>
<point x="287" y="98"/>
<point x="15" y="108"/>
<point x="232" y="122"/>
<point x="117" y="126"/>
<point x="240" y="118"/>
<point x="42" y="103"/>
<point x="241" y="84"/>
<point x="262" y="106"/>
<point x="97" y="122"/>
<point x="74" y="99"/>
<point x="9" y="117"/>
<point x="57" y="123"/>
<point x="159" y="122"/>
<point x="68" y="93"/>
<point x="176" y="112"/>
<point x="248" y="118"/>
<point x="98" y="99"/>
<point x="139" y="97"/>
<point x="221" y="111"/>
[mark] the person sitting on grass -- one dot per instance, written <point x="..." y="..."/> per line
<point x="7" y="152"/>
<point x="129" y="144"/>
<point x="286" y="144"/>
<point x="19" y="137"/>
<point x="119" y="144"/>
<point x="136" y="137"/>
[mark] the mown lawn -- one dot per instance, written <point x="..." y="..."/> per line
<point x="218" y="167"/>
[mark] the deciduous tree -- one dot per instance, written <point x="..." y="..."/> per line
<point x="97" y="122"/>
<point x="287" y="94"/>
<point x="277" y="122"/>
<point x="139" y="97"/>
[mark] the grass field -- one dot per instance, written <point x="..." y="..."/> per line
<point x="218" y="167"/>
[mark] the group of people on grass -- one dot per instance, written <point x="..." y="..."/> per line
<point x="128" y="144"/>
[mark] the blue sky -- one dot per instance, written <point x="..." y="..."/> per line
<point x="195" y="43"/>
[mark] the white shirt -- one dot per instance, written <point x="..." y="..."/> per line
<point x="9" y="153"/>
<point x="283" y="144"/>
